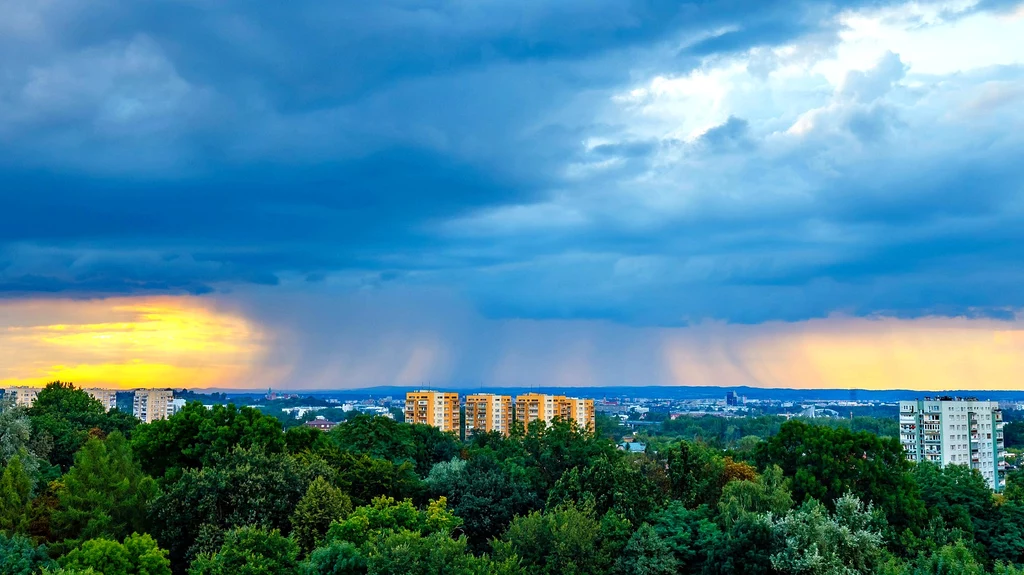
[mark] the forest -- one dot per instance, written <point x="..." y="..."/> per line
<point x="229" y="490"/>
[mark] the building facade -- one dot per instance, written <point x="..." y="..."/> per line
<point x="153" y="404"/>
<point x="955" y="431"/>
<point x="533" y="406"/>
<point x="437" y="408"/>
<point x="107" y="397"/>
<point x="488" y="412"/>
<point x="22" y="396"/>
<point x="321" y="423"/>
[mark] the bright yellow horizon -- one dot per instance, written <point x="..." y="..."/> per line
<point x="124" y="343"/>
<point x="190" y="342"/>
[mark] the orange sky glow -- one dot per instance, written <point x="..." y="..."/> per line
<point x="189" y="342"/>
<point x="124" y="343"/>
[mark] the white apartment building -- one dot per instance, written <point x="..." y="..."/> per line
<point x="22" y="396"/>
<point x="150" y="405"/>
<point x="107" y="397"/>
<point x="955" y="431"/>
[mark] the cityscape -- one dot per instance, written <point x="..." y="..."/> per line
<point x="943" y="430"/>
<point x="543" y="287"/>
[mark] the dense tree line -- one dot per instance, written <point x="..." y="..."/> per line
<point x="228" y="490"/>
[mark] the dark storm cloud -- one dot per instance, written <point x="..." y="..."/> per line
<point x="184" y="147"/>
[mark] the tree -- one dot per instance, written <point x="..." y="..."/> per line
<point x="954" y="559"/>
<point x="814" y="542"/>
<point x="244" y="487"/>
<point x="19" y="556"/>
<point x="196" y="437"/>
<point x="104" y="494"/>
<point x="15" y="496"/>
<point x="322" y="504"/>
<point x="744" y="547"/>
<point x="365" y="478"/>
<point x="65" y="417"/>
<point x="338" y="558"/>
<point x="562" y="541"/>
<point x="250" y="551"/>
<point x="646" y="554"/>
<point x="15" y="430"/>
<point x="483" y="493"/>
<point x="633" y="487"/>
<point x="385" y="514"/>
<point x="697" y="474"/>
<point x="412" y="553"/>
<point x="767" y="493"/>
<point x="827" y="462"/>
<point x="138" y="555"/>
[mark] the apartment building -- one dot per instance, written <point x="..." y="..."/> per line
<point x="22" y="396"/>
<point x="107" y="397"/>
<point x="955" y="431"/>
<point x="437" y="408"/>
<point x="534" y="406"/>
<point x="150" y="405"/>
<point x="488" y="412"/>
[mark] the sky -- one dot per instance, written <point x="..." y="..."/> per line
<point x="776" y="193"/>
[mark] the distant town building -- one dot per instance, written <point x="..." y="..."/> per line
<point x="436" y="408"/>
<point x="107" y="397"/>
<point x="731" y="398"/>
<point x="153" y="404"/>
<point x="955" y="431"/>
<point x="488" y="412"/>
<point x="22" y="396"/>
<point x="633" y="447"/>
<point x="533" y="406"/>
<point x="321" y="423"/>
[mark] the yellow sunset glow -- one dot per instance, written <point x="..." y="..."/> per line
<point x="125" y="343"/>
<point x="919" y="354"/>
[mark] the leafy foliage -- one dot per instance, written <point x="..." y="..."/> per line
<point x="138" y="555"/>
<point x="322" y="504"/>
<point x="105" y="493"/>
<point x="250" y="551"/>
<point x="196" y="437"/>
<point x="20" y="556"/>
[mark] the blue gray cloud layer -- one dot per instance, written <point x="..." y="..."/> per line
<point x="646" y="162"/>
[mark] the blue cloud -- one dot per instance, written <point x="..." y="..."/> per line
<point x="637" y="161"/>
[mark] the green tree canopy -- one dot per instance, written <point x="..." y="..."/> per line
<point x="827" y="462"/>
<point x="646" y="554"/>
<point x="196" y="436"/>
<point x="65" y="417"/>
<point x="138" y="555"/>
<point x="319" y="507"/>
<point x="20" y="556"/>
<point x="483" y="493"/>
<point x="250" y="551"/>
<point x="814" y="542"/>
<point x="386" y="514"/>
<point x="105" y="493"/>
<point x="563" y="541"/>
<point x="15" y="496"/>
<point x="243" y="487"/>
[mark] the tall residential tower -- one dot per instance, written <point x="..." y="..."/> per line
<point x="488" y="412"/>
<point x="437" y="408"/>
<point x="955" y="431"/>
<point x="533" y="406"/>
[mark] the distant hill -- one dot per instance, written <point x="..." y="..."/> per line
<point x="663" y="392"/>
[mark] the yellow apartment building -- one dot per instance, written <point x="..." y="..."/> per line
<point x="488" y="412"/>
<point x="437" y="408"/>
<point x="534" y="406"/>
